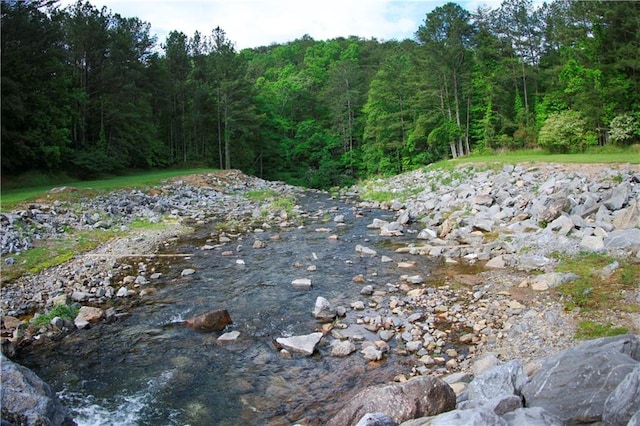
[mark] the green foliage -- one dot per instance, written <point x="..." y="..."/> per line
<point x="88" y="92"/>
<point x="565" y="132"/>
<point x="62" y="311"/>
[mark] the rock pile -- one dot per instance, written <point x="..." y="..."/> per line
<point x="517" y="215"/>
<point x="596" y="381"/>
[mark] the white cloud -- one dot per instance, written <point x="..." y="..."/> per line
<point x="253" y="23"/>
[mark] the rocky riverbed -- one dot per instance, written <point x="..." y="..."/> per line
<point x="494" y="229"/>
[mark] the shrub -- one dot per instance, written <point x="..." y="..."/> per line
<point x="624" y="129"/>
<point x="565" y="132"/>
<point x="62" y="311"/>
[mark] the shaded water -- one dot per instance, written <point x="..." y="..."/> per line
<point x="148" y="369"/>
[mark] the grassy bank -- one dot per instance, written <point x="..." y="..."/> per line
<point x="608" y="155"/>
<point x="33" y="187"/>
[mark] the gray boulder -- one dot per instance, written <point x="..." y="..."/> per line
<point x="535" y="416"/>
<point x="623" y="238"/>
<point x="475" y="417"/>
<point x="575" y="383"/>
<point x="503" y="380"/>
<point x="418" y="397"/>
<point x="624" y="402"/>
<point x="27" y="400"/>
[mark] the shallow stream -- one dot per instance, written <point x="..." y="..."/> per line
<point x="148" y="369"/>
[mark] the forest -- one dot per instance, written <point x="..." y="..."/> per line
<point x="88" y="93"/>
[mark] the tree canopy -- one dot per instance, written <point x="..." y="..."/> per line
<point x="89" y="92"/>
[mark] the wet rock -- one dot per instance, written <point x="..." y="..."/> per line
<point x="27" y="400"/>
<point x="371" y="353"/>
<point x="417" y="397"/>
<point x="230" y="336"/>
<point x="365" y="250"/>
<point x="211" y="321"/>
<point x="188" y="271"/>
<point x="305" y="345"/>
<point x="302" y="283"/>
<point x="323" y="310"/>
<point x="342" y="348"/>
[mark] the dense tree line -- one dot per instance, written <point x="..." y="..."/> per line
<point x="87" y="92"/>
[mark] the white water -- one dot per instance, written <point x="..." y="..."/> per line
<point x="121" y="410"/>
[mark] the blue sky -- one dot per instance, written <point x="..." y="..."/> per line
<point x="253" y="23"/>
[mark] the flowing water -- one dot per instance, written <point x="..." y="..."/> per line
<point x="148" y="369"/>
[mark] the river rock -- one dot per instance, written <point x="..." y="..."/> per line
<point x="304" y="345"/>
<point x="211" y="321"/>
<point x="418" y="397"/>
<point x="188" y="271"/>
<point x="575" y="383"/>
<point x="365" y="250"/>
<point x="301" y="283"/>
<point x="87" y="315"/>
<point x="27" y="400"/>
<point x="230" y="336"/>
<point x="323" y="310"/>
<point x="342" y="348"/>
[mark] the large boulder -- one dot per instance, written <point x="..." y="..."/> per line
<point x="27" y="400"/>
<point x="419" y="397"/>
<point x="210" y="321"/>
<point x="575" y="383"/>
<point x="624" y="402"/>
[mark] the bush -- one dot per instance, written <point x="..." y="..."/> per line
<point x="565" y="132"/>
<point x="624" y="129"/>
<point x="62" y="311"/>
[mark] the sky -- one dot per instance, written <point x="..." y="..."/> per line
<point x="255" y="23"/>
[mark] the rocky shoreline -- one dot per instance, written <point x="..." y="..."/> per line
<point x="511" y="219"/>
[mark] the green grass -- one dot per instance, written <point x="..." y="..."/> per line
<point x="594" y="296"/>
<point x="591" y="330"/>
<point x="593" y="291"/>
<point x="22" y="190"/>
<point x="261" y="194"/>
<point x="62" y="311"/>
<point x="53" y="252"/>
<point x="594" y="155"/>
